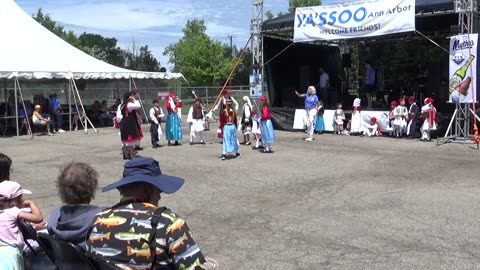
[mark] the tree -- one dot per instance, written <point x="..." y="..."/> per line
<point x="269" y="15"/>
<point x="102" y="48"/>
<point x="141" y="58"/>
<point x="198" y="57"/>
<point x="47" y="22"/>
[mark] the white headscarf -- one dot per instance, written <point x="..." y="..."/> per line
<point x="247" y="99"/>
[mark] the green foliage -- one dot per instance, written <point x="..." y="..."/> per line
<point x="141" y="59"/>
<point x="200" y="59"/>
<point x="102" y="48"/>
<point x="268" y="15"/>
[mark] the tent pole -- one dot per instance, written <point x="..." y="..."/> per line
<point x="87" y="120"/>
<point x="5" y="94"/>
<point x="16" y="105"/>
<point x="69" y="105"/>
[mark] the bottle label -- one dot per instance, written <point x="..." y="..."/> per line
<point x="455" y="81"/>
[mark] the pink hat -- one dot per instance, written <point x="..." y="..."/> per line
<point x="400" y="100"/>
<point x="198" y="99"/>
<point x="373" y="119"/>
<point x="10" y="190"/>
<point x="226" y="91"/>
<point x="394" y="103"/>
<point x="411" y="98"/>
<point x="263" y="98"/>
<point x="172" y="95"/>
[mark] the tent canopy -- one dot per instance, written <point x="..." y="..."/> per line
<point x="30" y="51"/>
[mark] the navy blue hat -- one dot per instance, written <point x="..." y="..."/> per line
<point x="147" y="170"/>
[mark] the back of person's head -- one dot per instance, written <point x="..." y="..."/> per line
<point x="5" y="166"/>
<point x="77" y="183"/>
<point x="154" y="101"/>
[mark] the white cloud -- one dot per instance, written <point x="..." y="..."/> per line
<point x="152" y="22"/>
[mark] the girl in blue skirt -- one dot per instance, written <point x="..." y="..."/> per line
<point x="320" y="123"/>
<point x="173" y="129"/>
<point x="266" y="127"/>
<point x="228" y="124"/>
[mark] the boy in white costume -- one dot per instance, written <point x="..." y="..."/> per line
<point x="400" y="114"/>
<point x="428" y="115"/>
<point x="156" y="114"/>
<point x="196" y="119"/>
<point x="370" y="129"/>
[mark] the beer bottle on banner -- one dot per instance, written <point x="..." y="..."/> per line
<point x="459" y="75"/>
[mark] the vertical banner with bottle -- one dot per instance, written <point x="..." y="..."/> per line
<point x="463" y="65"/>
<point x="255" y="85"/>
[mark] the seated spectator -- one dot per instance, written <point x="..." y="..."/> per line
<point x="123" y="235"/>
<point x="76" y="185"/>
<point x="5" y="167"/>
<point x="11" y="239"/>
<point x="77" y="112"/>
<point x="25" y="114"/>
<point x="39" y="120"/>
<point x="104" y="116"/>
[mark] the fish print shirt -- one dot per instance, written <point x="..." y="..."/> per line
<point x="120" y="236"/>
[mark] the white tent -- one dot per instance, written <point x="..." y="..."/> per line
<point x="30" y="51"/>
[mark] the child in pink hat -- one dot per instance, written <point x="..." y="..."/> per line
<point x="11" y="239"/>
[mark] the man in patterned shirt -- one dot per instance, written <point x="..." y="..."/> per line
<point x="122" y="235"/>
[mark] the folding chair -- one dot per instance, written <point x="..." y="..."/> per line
<point x="28" y="233"/>
<point x="39" y="259"/>
<point x="65" y="255"/>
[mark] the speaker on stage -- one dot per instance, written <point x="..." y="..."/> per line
<point x="347" y="60"/>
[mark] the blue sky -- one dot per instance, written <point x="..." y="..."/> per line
<point x="156" y="23"/>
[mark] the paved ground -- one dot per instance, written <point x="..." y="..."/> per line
<point x="336" y="203"/>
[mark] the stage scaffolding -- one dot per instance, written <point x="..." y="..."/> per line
<point x="459" y="130"/>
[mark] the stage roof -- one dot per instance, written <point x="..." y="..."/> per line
<point x="422" y="7"/>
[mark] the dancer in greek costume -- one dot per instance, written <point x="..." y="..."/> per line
<point x="428" y="115"/>
<point x="320" y="123"/>
<point x="228" y="123"/>
<point x="413" y="112"/>
<point x="173" y="129"/>
<point x="196" y="119"/>
<point x="246" y="120"/>
<point x="156" y="114"/>
<point x="400" y="114"/>
<point x="356" y="121"/>
<point x="130" y="128"/>
<point x="266" y="127"/>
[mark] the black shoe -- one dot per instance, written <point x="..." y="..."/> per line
<point x="169" y="143"/>
<point x="176" y="143"/>
<point x="237" y="154"/>
<point x="138" y="148"/>
<point x="224" y="157"/>
<point x="202" y="142"/>
<point x="155" y="146"/>
<point x="191" y="143"/>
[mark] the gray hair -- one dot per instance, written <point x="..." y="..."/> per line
<point x="312" y="88"/>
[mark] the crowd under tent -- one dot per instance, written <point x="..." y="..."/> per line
<point x="290" y="66"/>
<point x="34" y="53"/>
